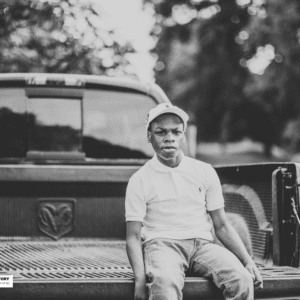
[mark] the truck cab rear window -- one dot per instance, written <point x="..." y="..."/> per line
<point x="13" y="123"/>
<point x="114" y="124"/>
<point x="54" y="124"/>
<point x="104" y="124"/>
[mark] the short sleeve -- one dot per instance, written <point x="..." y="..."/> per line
<point x="214" y="195"/>
<point x="135" y="205"/>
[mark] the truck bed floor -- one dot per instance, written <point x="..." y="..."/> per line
<point x="83" y="267"/>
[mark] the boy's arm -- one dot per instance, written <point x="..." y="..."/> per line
<point x="135" y="255"/>
<point x="231" y="240"/>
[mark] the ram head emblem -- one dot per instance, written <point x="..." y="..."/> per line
<point x="56" y="217"/>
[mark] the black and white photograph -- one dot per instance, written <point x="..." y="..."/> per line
<point x="150" y="149"/>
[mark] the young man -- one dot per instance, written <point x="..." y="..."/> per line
<point x="168" y="233"/>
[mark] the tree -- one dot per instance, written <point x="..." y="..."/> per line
<point x="205" y="50"/>
<point x="201" y="57"/>
<point x="59" y="37"/>
<point x="276" y="29"/>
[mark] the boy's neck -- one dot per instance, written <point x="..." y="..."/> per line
<point x="171" y="163"/>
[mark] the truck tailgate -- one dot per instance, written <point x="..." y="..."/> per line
<point x="99" y="268"/>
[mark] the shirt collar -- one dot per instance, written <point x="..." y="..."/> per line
<point x="158" y="166"/>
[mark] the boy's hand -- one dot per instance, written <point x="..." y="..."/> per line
<point x="253" y="270"/>
<point x="140" y="290"/>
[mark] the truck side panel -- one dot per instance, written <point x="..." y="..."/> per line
<point x="248" y="192"/>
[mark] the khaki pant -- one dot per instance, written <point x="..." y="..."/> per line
<point x="167" y="261"/>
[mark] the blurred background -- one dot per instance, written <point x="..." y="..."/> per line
<point x="233" y="65"/>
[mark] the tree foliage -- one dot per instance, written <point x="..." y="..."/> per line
<point x="204" y="52"/>
<point x="59" y="36"/>
<point x="277" y="90"/>
<point x="202" y="70"/>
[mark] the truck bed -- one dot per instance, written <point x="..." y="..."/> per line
<point x="86" y="268"/>
<point x="88" y="260"/>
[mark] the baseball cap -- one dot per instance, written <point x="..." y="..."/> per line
<point x="165" y="108"/>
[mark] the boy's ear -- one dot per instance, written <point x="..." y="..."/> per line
<point x="149" y="136"/>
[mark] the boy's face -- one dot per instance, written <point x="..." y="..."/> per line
<point x="166" y="136"/>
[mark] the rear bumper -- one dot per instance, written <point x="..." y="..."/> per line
<point x="195" y="288"/>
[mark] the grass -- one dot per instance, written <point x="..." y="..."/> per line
<point x="243" y="152"/>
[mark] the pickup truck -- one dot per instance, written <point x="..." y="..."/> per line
<point x="69" y="144"/>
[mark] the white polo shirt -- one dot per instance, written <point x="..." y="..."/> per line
<point x="173" y="202"/>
